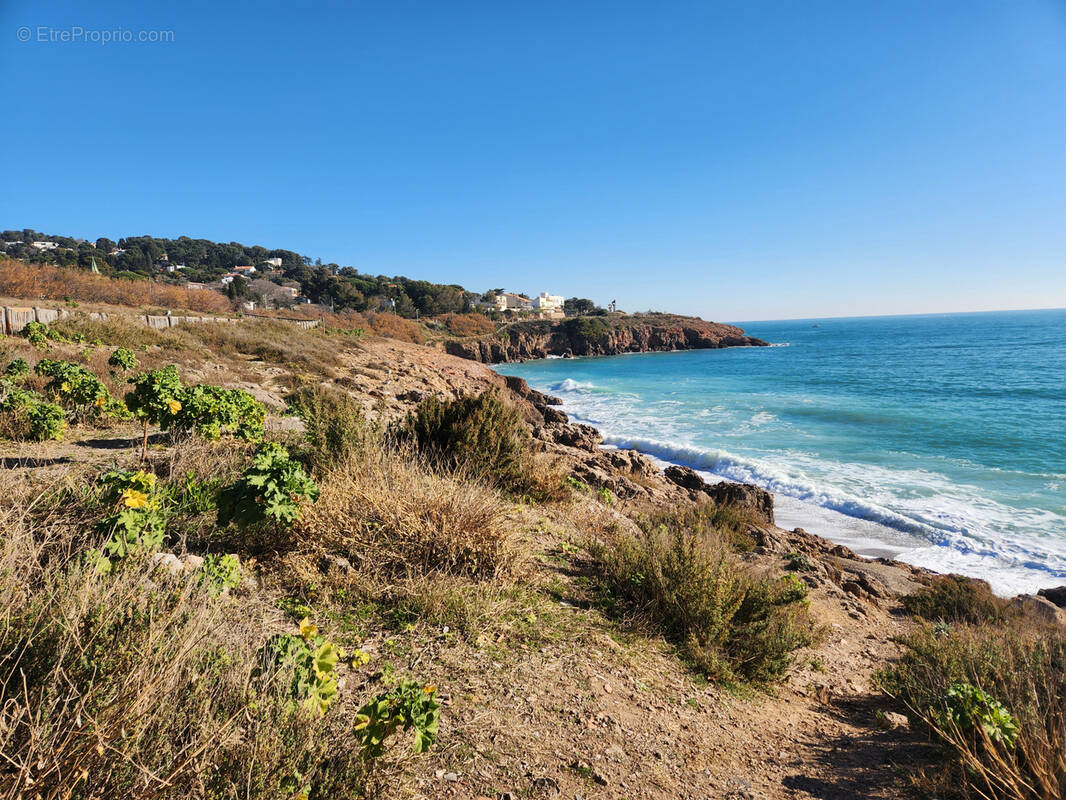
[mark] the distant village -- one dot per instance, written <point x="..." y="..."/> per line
<point x="278" y="282"/>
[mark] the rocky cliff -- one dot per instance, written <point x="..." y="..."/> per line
<point x="600" y="336"/>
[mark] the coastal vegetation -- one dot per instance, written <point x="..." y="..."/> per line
<point x="323" y="590"/>
<point x="986" y="681"/>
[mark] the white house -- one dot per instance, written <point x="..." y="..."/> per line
<point x="548" y="302"/>
<point x="274" y="262"/>
<point x="45" y="245"/>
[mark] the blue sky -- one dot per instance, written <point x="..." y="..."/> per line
<point x="745" y="160"/>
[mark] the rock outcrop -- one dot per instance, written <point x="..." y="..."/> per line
<point x="758" y="502"/>
<point x="600" y="336"/>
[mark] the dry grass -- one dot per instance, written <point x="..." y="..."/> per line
<point x="392" y="514"/>
<point x="135" y="685"/>
<point x="38" y="281"/>
<point x="1021" y="664"/>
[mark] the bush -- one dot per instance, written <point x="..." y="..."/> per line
<point x="214" y="412"/>
<point x="137" y="522"/>
<point x="18" y="370"/>
<point x="133" y="687"/>
<point x="336" y="429"/>
<point x="478" y="433"/>
<point x="27" y="415"/>
<point x="733" y="624"/>
<point x="154" y="399"/>
<point x="122" y="359"/>
<point x="313" y="663"/>
<point x="76" y="388"/>
<point x="61" y="284"/>
<point x="467" y="324"/>
<point x="273" y="488"/>
<point x="592" y="328"/>
<point x="39" y="335"/>
<point x="410" y="706"/>
<point x="954" y="598"/>
<point x="991" y="695"/>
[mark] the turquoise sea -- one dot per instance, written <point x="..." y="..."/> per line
<point x="936" y="439"/>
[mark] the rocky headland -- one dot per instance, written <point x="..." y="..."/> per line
<point x="599" y="336"/>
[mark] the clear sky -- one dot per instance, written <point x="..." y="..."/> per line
<point x="743" y="160"/>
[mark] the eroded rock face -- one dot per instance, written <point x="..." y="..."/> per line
<point x="540" y="339"/>
<point x="582" y="437"/>
<point x="746" y="496"/>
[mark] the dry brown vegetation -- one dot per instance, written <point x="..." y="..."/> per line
<point x="391" y="514"/>
<point x="136" y="684"/>
<point x="467" y="324"/>
<point x="38" y="281"/>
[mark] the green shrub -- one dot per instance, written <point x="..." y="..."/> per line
<point x="39" y="335"/>
<point x="137" y="522"/>
<point x="45" y="421"/>
<point x="481" y="432"/>
<point x="409" y="706"/>
<point x="733" y="625"/>
<point x="957" y="599"/>
<point x="966" y="707"/>
<point x="592" y="328"/>
<point x="214" y="412"/>
<point x="17" y="370"/>
<point x="154" y="399"/>
<point x="273" y="488"/>
<point x="220" y="572"/>
<point x="27" y="415"/>
<point x="336" y="428"/>
<point x="313" y="661"/>
<point x="75" y="387"/>
<point x="122" y="359"/>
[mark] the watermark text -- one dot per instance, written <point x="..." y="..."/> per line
<point x="76" y="34"/>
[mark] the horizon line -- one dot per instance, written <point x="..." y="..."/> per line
<point x="907" y="314"/>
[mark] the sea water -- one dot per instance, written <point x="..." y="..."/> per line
<point x="939" y="440"/>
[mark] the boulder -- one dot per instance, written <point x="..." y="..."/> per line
<point x="685" y="478"/>
<point x="583" y="437"/>
<point x="745" y="496"/>
<point x="1038" y="608"/>
<point x="1056" y="595"/>
<point x="758" y="502"/>
<point x="554" y="415"/>
<point x="893" y="721"/>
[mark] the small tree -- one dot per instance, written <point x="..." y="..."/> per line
<point x="154" y="399"/>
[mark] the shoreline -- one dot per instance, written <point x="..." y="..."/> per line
<point x="865" y="537"/>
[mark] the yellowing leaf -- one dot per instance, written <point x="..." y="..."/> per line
<point x="308" y="629"/>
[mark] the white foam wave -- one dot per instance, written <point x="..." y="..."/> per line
<point x="569" y="385"/>
<point x="943" y="537"/>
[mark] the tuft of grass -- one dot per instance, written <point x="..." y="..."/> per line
<point x="957" y="599"/>
<point x="135" y="684"/>
<point x="395" y="514"/>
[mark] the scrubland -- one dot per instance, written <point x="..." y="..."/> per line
<point x="306" y="586"/>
